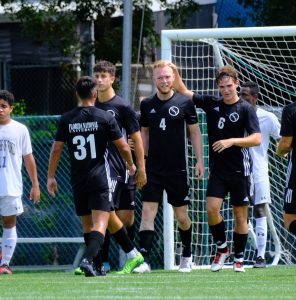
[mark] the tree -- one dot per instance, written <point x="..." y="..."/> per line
<point x="54" y="22"/>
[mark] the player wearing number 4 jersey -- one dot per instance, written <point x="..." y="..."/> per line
<point x="165" y="119"/>
<point x="232" y="128"/>
<point x="87" y="130"/>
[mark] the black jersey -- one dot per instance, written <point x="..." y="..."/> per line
<point x="167" y="132"/>
<point x="288" y="128"/>
<point x="226" y="121"/>
<point x="127" y="121"/>
<point x="87" y="130"/>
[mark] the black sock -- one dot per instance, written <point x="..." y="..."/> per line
<point x="123" y="240"/>
<point x="86" y="238"/>
<point x="292" y="227"/>
<point x="146" y="239"/>
<point x="131" y="232"/>
<point x="105" y="248"/>
<point x="219" y="237"/>
<point x="95" y="242"/>
<point x="186" y="241"/>
<point x="239" y="244"/>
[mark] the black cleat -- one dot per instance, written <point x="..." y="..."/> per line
<point x="260" y="263"/>
<point x="100" y="271"/>
<point x="87" y="268"/>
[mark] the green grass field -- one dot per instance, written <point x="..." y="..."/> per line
<point x="269" y="283"/>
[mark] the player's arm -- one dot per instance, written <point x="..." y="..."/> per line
<point x="284" y="146"/>
<point x="141" y="177"/>
<point x="145" y="139"/>
<point x="54" y="158"/>
<point x="125" y="153"/>
<point x="252" y="140"/>
<point x="178" y="84"/>
<point x="31" y="168"/>
<point x="197" y="145"/>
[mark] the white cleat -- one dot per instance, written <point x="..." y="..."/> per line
<point x="219" y="260"/>
<point x="185" y="264"/>
<point x="143" y="268"/>
<point x="238" y="266"/>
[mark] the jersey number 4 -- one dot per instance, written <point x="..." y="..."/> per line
<point x="162" y="124"/>
<point x="81" y="144"/>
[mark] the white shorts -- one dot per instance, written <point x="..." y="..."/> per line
<point x="262" y="192"/>
<point x="11" y="206"/>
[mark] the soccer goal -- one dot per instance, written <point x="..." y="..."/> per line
<point x="266" y="55"/>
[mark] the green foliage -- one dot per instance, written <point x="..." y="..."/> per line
<point x="54" y="22"/>
<point x="19" y="108"/>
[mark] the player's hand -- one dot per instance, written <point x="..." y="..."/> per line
<point x="221" y="145"/>
<point x="35" y="194"/>
<point x="199" y="170"/>
<point x="131" y="169"/>
<point x="141" y="178"/>
<point x="52" y="186"/>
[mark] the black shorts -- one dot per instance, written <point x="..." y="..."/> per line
<point x="123" y="195"/>
<point x="290" y="201"/>
<point x="176" y="187"/>
<point x="240" y="188"/>
<point x="86" y="201"/>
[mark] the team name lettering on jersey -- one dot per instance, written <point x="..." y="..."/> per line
<point x="83" y="127"/>
<point x="5" y="144"/>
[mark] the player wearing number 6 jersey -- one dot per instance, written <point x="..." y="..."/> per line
<point x="165" y="119"/>
<point x="87" y="131"/>
<point x="232" y="127"/>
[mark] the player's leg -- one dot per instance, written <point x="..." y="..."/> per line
<point x="216" y="192"/>
<point x="10" y="208"/>
<point x="118" y="231"/>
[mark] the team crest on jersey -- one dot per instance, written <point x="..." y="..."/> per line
<point x="111" y="112"/>
<point x="234" y="117"/>
<point x="174" y="111"/>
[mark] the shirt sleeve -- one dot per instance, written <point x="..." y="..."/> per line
<point x="131" y="121"/>
<point x="190" y="113"/>
<point x="26" y="144"/>
<point x="61" y="134"/>
<point x="115" y="132"/>
<point x="287" y="126"/>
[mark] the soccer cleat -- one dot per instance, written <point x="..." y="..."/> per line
<point x="143" y="268"/>
<point x="238" y="266"/>
<point x="106" y="266"/>
<point x="185" y="264"/>
<point x="131" y="264"/>
<point x="5" y="269"/>
<point x="260" y="263"/>
<point x="100" y="271"/>
<point x="78" y="271"/>
<point x="87" y="268"/>
<point x="219" y="260"/>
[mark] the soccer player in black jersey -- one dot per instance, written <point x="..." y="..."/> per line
<point x="233" y="127"/>
<point x="87" y="130"/>
<point x="126" y="118"/>
<point x="165" y="118"/>
<point x="285" y="148"/>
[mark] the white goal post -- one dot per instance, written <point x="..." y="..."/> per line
<point x="266" y="55"/>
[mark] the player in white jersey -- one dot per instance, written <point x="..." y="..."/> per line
<point x="15" y="145"/>
<point x="270" y="127"/>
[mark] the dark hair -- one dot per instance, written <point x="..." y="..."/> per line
<point x="85" y="87"/>
<point x="7" y="96"/>
<point x="105" y="66"/>
<point x="253" y="86"/>
<point x="228" y="71"/>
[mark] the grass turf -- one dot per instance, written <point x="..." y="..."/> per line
<point x="270" y="283"/>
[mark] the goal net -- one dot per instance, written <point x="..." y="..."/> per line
<point x="265" y="55"/>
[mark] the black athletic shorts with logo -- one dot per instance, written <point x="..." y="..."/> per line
<point x="240" y="188"/>
<point x="123" y="195"/>
<point x="86" y="201"/>
<point x="176" y="187"/>
<point x="290" y="201"/>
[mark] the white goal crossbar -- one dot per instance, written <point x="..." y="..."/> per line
<point x="266" y="55"/>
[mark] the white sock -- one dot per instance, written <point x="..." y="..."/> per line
<point x="261" y="236"/>
<point x="9" y="239"/>
<point x="132" y="254"/>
